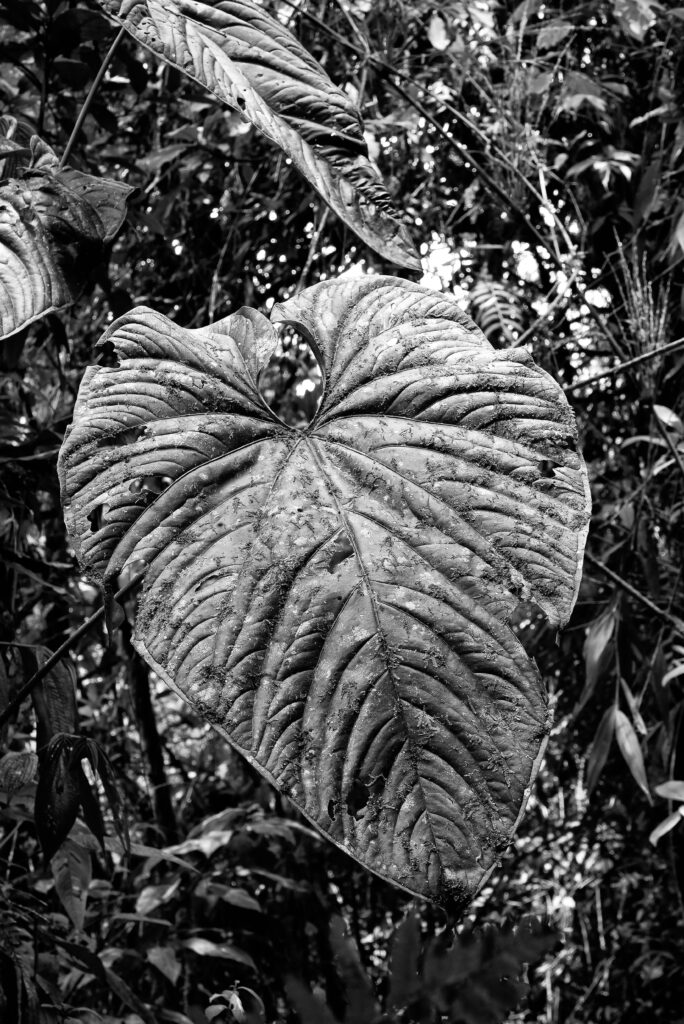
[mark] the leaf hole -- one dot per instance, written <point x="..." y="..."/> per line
<point x="332" y="809"/>
<point x="531" y="626"/>
<point x="357" y="798"/>
<point x="292" y="382"/>
<point x="122" y="437"/>
<point x="96" y="518"/>
<point x="150" y="487"/>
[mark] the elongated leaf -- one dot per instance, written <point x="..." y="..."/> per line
<point x="337" y="600"/>
<point x="58" y="795"/>
<point x="673" y="789"/>
<point x="45" y="215"/>
<point x="249" y="60"/>
<point x="599" y="636"/>
<point x="600" y="748"/>
<point x="666" y="825"/>
<point x="630" y="748"/>
<point x="72" y="872"/>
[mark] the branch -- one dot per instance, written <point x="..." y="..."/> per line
<point x="659" y="350"/>
<point x="662" y="613"/>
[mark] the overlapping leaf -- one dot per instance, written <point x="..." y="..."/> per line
<point x="250" y="61"/>
<point x="52" y="224"/>
<point x="337" y="600"/>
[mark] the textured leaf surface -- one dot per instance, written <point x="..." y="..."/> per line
<point x="249" y="60"/>
<point x="44" y="213"/>
<point x="338" y="600"/>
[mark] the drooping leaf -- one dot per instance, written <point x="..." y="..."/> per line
<point x="630" y="748"/>
<point x="54" y="698"/>
<point x="53" y="224"/>
<point x="336" y="600"/>
<point x="72" y="872"/>
<point x="58" y="794"/>
<point x="600" y="748"/>
<point x="596" y="649"/>
<point x="250" y="61"/>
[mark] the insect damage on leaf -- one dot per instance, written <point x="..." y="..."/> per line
<point x="339" y="600"/>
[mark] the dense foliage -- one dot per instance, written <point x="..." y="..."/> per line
<point x="536" y="152"/>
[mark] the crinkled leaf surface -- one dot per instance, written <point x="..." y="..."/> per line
<point x="249" y="60"/>
<point x="338" y="600"/>
<point x="52" y="224"/>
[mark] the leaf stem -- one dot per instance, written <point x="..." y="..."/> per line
<point x="659" y="350"/>
<point x="89" y="98"/>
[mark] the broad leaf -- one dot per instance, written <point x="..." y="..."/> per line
<point x="338" y="600"/>
<point x="53" y="224"/>
<point x="250" y="61"/>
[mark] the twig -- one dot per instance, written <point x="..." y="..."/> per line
<point x="57" y="655"/>
<point x="89" y="98"/>
<point x="662" y="613"/>
<point x="670" y="444"/>
<point x="659" y="350"/>
<point x="312" y="250"/>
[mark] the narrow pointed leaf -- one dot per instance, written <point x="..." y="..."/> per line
<point x="58" y="794"/>
<point x="673" y="789"/>
<point x="599" y="635"/>
<point x="337" y="600"/>
<point x="600" y="748"/>
<point x="630" y="748"/>
<point x="250" y="61"/>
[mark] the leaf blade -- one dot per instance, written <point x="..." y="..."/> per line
<point x="370" y="546"/>
<point x="248" y="60"/>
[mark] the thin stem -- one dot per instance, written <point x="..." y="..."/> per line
<point x="662" y="613"/>
<point x="89" y="98"/>
<point x="670" y="444"/>
<point x="659" y="350"/>
<point x="25" y="690"/>
<point x="312" y="250"/>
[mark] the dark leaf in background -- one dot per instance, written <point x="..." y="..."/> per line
<point x="53" y="225"/>
<point x="58" y="794"/>
<point x="54" y="697"/>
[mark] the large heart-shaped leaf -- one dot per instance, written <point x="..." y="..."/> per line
<point x="253" y="63"/>
<point x="338" y="600"/>
<point x="53" y="222"/>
